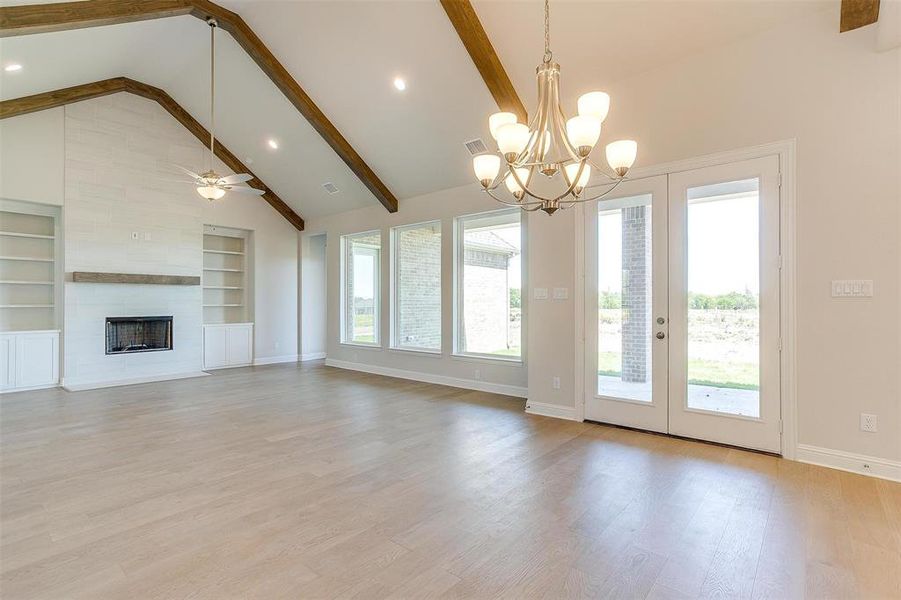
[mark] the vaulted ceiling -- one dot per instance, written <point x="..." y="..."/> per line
<point x="346" y="54"/>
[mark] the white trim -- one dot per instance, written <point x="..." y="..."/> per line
<point x="579" y="305"/>
<point x="312" y="356"/>
<point x="847" y="461"/>
<point x="28" y="389"/>
<point x="93" y="385"/>
<point x="457" y="382"/>
<point x="272" y="360"/>
<point x="553" y="410"/>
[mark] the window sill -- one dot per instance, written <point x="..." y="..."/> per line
<point x="504" y="360"/>
<point x="361" y="345"/>
<point x="432" y="353"/>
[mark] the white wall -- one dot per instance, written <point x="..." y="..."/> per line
<point x="32" y="150"/>
<point x="313" y="303"/>
<point x="118" y="152"/>
<point x="501" y="376"/>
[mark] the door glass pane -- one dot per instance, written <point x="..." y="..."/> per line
<point x="624" y="298"/>
<point x="723" y="298"/>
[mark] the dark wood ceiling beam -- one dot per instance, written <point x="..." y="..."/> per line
<point x="858" y="13"/>
<point x="61" y="16"/>
<point x="79" y="93"/>
<point x="463" y="17"/>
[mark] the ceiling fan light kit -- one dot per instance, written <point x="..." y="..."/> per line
<point x="551" y="145"/>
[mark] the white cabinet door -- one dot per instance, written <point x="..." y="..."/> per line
<point x="214" y="347"/>
<point x="7" y="362"/>
<point x="37" y="360"/>
<point x="239" y="345"/>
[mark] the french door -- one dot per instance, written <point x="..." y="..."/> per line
<point x="682" y="297"/>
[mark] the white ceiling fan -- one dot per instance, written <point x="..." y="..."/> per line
<point x="210" y="184"/>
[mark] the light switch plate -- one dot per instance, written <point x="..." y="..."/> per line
<point x="852" y="288"/>
<point x="540" y="293"/>
<point x="561" y="293"/>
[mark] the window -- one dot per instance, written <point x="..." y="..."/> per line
<point x="417" y="287"/>
<point x="360" y="260"/>
<point x="489" y="282"/>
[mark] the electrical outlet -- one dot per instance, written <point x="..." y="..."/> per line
<point x="868" y="423"/>
<point x="478" y="374"/>
<point x="556" y="382"/>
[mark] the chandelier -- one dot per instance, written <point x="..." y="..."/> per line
<point x="549" y="146"/>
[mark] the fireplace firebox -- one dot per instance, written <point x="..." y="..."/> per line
<point x="125" y="335"/>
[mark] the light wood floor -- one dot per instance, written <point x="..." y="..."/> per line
<point x="310" y="482"/>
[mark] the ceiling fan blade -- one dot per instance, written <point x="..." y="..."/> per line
<point x="243" y="189"/>
<point x="188" y="171"/>
<point x="236" y="178"/>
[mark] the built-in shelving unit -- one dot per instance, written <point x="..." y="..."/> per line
<point x="28" y="268"/>
<point x="225" y="276"/>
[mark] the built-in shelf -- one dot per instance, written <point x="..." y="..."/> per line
<point x="224" y="275"/>
<point x="230" y="252"/>
<point x="27" y="258"/>
<point x="29" y="277"/>
<point x="26" y="235"/>
<point x="26" y="306"/>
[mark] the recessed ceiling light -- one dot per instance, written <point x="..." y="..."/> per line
<point x="12" y="68"/>
<point x="400" y="84"/>
<point x="273" y="144"/>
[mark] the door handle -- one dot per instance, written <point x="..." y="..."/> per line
<point x="660" y="335"/>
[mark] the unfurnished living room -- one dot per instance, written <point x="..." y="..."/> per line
<point x="450" y="299"/>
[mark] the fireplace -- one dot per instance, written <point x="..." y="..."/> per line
<point x="125" y="335"/>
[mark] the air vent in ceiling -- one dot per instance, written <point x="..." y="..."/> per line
<point x="330" y="187"/>
<point x="476" y="146"/>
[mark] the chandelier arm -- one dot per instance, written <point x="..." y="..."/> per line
<point x="601" y="195"/>
<point x="507" y="202"/>
<point x="605" y="171"/>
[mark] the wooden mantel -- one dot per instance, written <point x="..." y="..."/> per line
<point x="91" y="277"/>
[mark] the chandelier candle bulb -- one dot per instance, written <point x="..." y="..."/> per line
<point x="583" y="133"/>
<point x="594" y="104"/>
<point x="512" y="139"/>
<point x="621" y="155"/>
<point x="498" y="119"/>
<point x="486" y="167"/>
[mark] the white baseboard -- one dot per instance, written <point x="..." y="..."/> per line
<point x="847" y="461"/>
<point x="29" y="389"/>
<point x="94" y="385"/>
<point x="467" y="384"/>
<point x="551" y="410"/>
<point x="272" y="360"/>
<point x="312" y="356"/>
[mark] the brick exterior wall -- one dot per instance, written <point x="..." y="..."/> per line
<point x="486" y="317"/>
<point x="636" y="253"/>
<point x="418" y="294"/>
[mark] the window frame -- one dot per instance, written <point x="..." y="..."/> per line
<point x="458" y="295"/>
<point x="394" y="279"/>
<point x="376" y="292"/>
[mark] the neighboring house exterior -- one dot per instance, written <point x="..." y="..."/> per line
<point x="486" y="311"/>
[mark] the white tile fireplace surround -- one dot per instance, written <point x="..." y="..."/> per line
<point x="89" y="304"/>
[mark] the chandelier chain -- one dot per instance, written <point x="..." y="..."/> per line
<point x="548" y="55"/>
